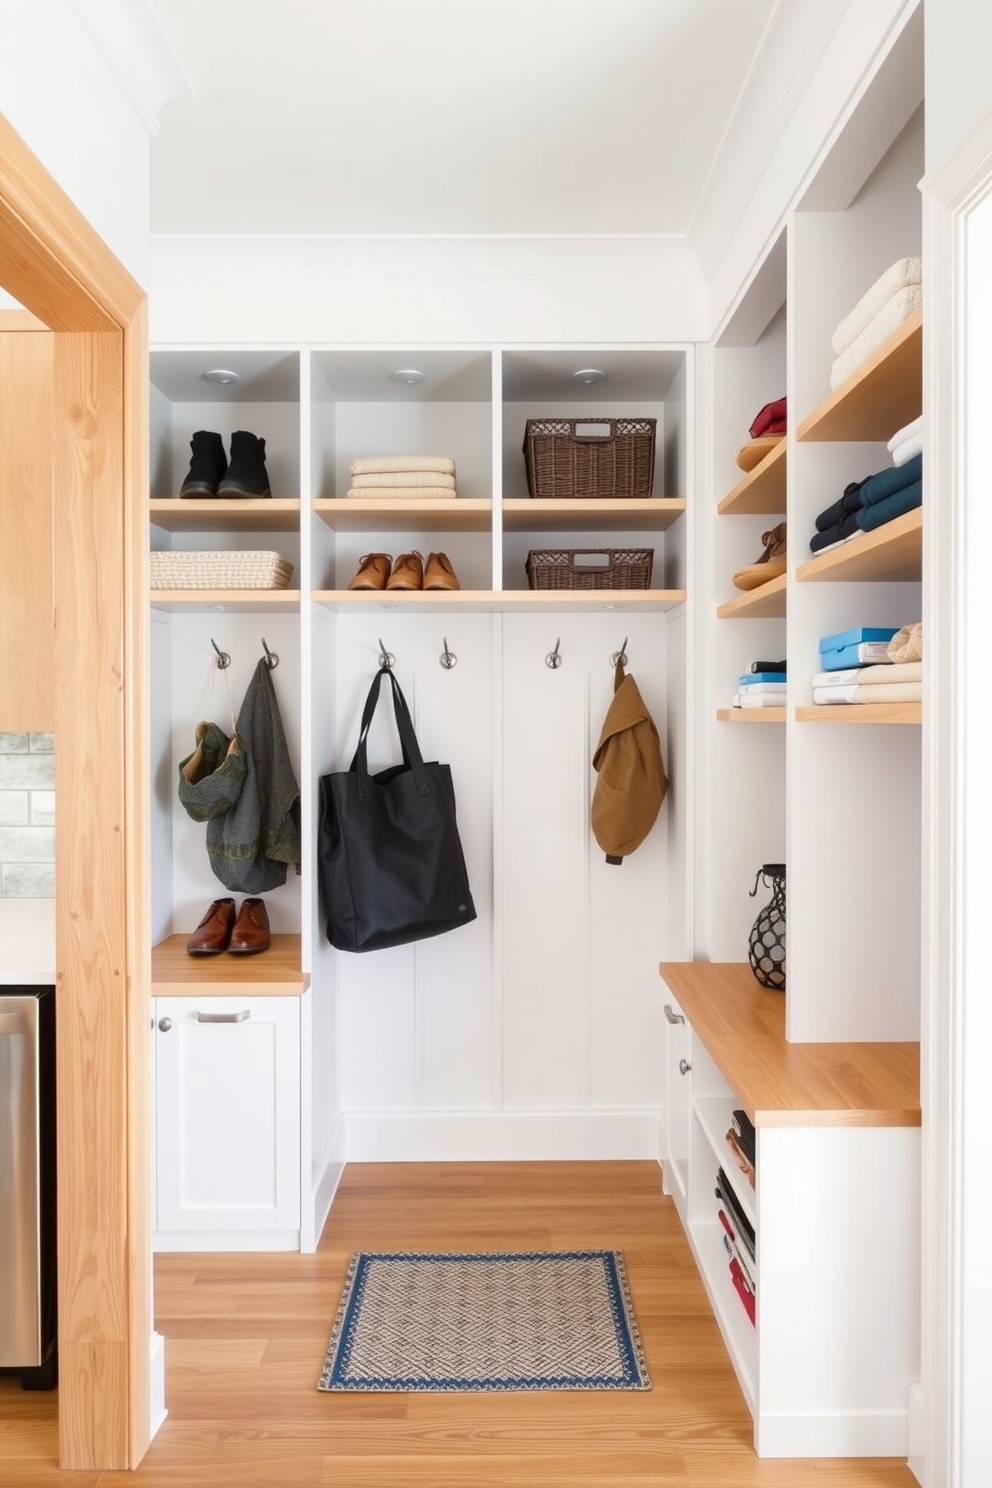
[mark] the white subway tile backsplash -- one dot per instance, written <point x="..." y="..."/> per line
<point x="42" y="808"/>
<point x="15" y="807"/>
<point x="27" y="845"/>
<point x="42" y="744"/>
<point x="14" y="743"/>
<point x="27" y="771"/>
<point x="27" y="816"/>
<point x="27" y="880"/>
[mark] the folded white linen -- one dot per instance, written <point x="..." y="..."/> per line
<point x="907" y="643"/>
<point x="404" y="478"/>
<point x="890" y="692"/>
<point x="761" y="697"/>
<point x="843" y="677"/>
<point x="899" y="308"/>
<point x="401" y="493"/>
<point x="836" y="694"/>
<point x="383" y="464"/>
<point x="907" y="448"/>
<point x="905" y="271"/>
<point x="896" y="671"/>
<point x="906" y="432"/>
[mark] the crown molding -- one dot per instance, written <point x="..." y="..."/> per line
<point x="130" y="38"/>
<point x="652" y="259"/>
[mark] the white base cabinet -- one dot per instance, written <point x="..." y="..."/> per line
<point x="227" y="1123"/>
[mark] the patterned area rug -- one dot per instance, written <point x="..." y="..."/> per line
<point x="528" y="1320"/>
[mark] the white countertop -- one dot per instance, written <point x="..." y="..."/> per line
<point x="27" y="942"/>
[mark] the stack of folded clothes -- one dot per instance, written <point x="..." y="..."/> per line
<point x="767" y="429"/>
<point x="871" y="665"/>
<point x="738" y="1242"/>
<point x="740" y="1140"/>
<point x="907" y="442"/>
<point x="881" y="310"/>
<point x="761" y="688"/>
<point x="403" y="478"/>
<point x="870" y="503"/>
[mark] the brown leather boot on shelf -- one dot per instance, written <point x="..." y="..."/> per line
<point x="770" y="565"/>
<point x="251" y="929"/>
<point x="439" y="573"/>
<point x="408" y="572"/>
<point x="213" y="933"/>
<point x="373" y="571"/>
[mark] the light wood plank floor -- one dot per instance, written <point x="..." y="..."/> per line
<point x="246" y="1337"/>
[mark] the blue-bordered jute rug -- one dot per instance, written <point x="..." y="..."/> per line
<point x="489" y="1320"/>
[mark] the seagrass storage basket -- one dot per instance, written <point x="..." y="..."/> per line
<point x="220" y="570"/>
<point x="595" y="458"/>
<point x="590" y="568"/>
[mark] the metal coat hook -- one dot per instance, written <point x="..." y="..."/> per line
<point x="386" y="658"/>
<point x="620" y="657"/>
<point x="271" y="659"/>
<point x="448" y="658"/>
<point x="223" y="660"/>
<point x="553" y="658"/>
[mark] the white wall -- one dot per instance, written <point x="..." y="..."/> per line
<point x="958" y="83"/>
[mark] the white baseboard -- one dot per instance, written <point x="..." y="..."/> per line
<point x="156" y="1384"/>
<point x="328" y="1176"/>
<point x="501" y="1136"/>
<point x="831" y="1434"/>
<point x="917" y="1433"/>
<point x="213" y="1240"/>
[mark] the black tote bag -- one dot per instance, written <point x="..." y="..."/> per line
<point x="389" y="857"/>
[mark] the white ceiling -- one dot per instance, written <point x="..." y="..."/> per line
<point x="434" y="117"/>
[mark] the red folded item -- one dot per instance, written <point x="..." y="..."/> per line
<point x="770" y="420"/>
<point x="742" y="1289"/>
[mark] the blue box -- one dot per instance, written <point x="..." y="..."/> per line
<point x="859" y="633"/>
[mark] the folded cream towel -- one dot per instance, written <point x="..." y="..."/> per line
<point x="405" y="478"/>
<point x="898" y="671"/>
<point x="890" y="692"/>
<point x="383" y="464"/>
<point x="907" y="644"/>
<point x="904" y="272"/>
<point x="897" y="309"/>
<point x="402" y="493"/>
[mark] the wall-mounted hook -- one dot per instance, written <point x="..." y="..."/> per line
<point x="553" y="658"/>
<point x="448" y="658"/>
<point x="271" y="659"/>
<point x="223" y="660"/>
<point x="386" y="658"/>
<point x="619" y="657"/>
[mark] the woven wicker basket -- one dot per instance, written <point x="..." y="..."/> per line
<point x="595" y="458"/>
<point x="590" y="568"/>
<point x="220" y="570"/>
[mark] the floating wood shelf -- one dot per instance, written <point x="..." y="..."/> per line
<point x="892" y="552"/>
<point x="273" y="600"/>
<point x="881" y="396"/>
<point x="860" y="713"/>
<point x="750" y="715"/>
<point x="742" y="1027"/>
<point x="764" y="603"/>
<point x="275" y="515"/>
<point x="500" y="599"/>
<point x="649" y="515"/>
<point x="272" y="973"/>
<point x="762" y="490"/>
<point x="352" y="514"/>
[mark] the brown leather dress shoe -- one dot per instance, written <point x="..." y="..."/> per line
<point x="770" y="565"/>
<point x="439" y="573"/>
<point x="373" y="571"/>
<point x="408" y="572"/>
<point x="251" y="929"/>
<point x="212" y="935"/>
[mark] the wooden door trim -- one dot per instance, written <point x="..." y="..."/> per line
<point x="57" y="266"/>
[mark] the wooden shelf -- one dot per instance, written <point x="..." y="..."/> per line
<point x="742" y="1026"/>
<point x="893" y="552"/>
<point x="272" y="973"/>
<point x="500" y="599"/>
<point x="654" y="515"/>
<point x="764" y="603"/>
<point x="860" y="713"/>
<point x="881" y="396"/>
<point x="272" y="600"/>
<point x="762" y="490"/>
<point x="352" y="514"/>
<point x="274" y="515"/>
<point x="750" y="715"/>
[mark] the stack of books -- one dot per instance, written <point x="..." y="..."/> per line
<point x="761" y="686"/>
<point x="856" y="668"/>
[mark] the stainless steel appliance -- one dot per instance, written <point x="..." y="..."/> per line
<point x="28" y="1260"/>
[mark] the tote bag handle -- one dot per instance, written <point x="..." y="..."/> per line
<point x="412" y="757"/>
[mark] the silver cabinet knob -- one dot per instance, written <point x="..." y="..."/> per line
<point x="164" y="1024"/>
<point x="671" y="1016"/>
<point x="684" y="1066"/>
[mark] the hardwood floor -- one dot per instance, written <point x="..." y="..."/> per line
<point x="246" y="1336"/>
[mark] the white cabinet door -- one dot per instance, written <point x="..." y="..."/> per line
<point x="227" y="1110"/>
<point x="678" y="1103"/>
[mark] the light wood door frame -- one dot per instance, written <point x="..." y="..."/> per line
<point x="56" y="265"/>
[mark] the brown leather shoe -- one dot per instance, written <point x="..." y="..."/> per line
<point x="408" y="572"/>
<point x="251" y="929"/>
<point x="439" y="573"/>
<point x="212" y="935"/>
<point x="373" y="571"/>
<point x="770" y="565"/>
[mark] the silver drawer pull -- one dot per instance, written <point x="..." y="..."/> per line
<point x="241" y="1017"/>
<point x="671" y="1016"/>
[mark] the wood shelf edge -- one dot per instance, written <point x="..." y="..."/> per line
<point x="860" y="713"/>
<point x="741" y="499"/>
<point x="750" y="715"/>
<point x="827" y="411"/>
<point x="276" y="972"/>
<point x="902" y="536"/>
<point x="767" y="602"/>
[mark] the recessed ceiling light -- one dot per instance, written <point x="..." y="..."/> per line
<point x="409" y="376"/>
<point x="589" y="375"/>
<point x="222" y="375"/>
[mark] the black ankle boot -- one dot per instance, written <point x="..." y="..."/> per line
<point x="246" y="474"/>
<point x="208" y="466"/>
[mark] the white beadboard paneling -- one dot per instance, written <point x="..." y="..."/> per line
<point x="503" y="1136"/>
